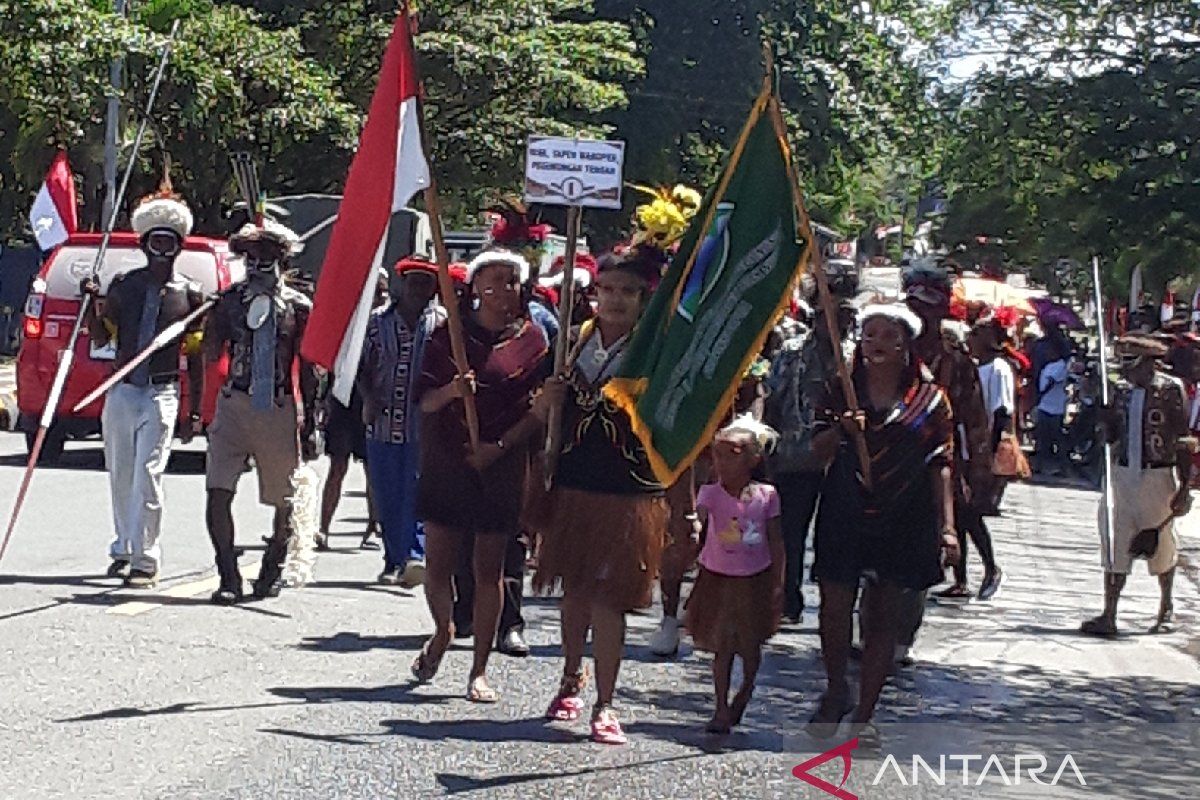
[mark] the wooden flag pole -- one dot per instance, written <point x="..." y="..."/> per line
<point x="458" y="346"/>
<point x="835" y="338"/>
<point x="566" y="305"/>
<point x="433" y="207"/>
<point x="817" y="261"/>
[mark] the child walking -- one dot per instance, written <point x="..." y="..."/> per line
<point x="735" y="605"/>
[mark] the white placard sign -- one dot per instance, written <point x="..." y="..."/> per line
<point x="574" y="172"/>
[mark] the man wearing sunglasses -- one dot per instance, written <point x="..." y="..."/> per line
<point x="140" y="412"/>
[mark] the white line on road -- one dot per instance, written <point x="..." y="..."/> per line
<point x="176" y="592"/>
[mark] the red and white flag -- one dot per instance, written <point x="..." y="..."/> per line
<point x="388" y="169"/>
<point x="54" y="213"/>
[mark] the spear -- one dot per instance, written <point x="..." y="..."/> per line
<point x="66" y="356"/>
<point x="1105" y="530"/>
<point x="165" y="337"/>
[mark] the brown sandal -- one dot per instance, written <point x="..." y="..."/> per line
<point x="481" y="694"/>
<point x="425" y="667"/>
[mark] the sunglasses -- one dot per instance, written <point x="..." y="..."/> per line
<point x="163" y="244"/>
<point x="261" y="264"/>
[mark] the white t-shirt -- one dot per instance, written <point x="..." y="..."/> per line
<point x="999" y="386"/>
<point x="1053" y="385"/>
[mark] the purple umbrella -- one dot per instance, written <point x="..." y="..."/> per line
<point x="1051" y="313"/>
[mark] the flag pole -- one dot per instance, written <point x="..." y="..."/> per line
<point x="817" y="261"/>
<point x="1106" y="532"/>
<point x="66" y="357"/>
<point x="566" y="304"/>
<point x="445" y="288"/>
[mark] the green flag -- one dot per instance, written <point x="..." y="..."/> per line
<point x="725" y="288"/>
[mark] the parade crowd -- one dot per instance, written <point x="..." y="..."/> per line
<point x="943" y="396"/>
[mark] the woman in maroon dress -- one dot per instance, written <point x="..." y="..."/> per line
<point x="463" y="494"/>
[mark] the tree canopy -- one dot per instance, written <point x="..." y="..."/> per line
<point x="1081" y="139"/>
<point x="1069" y="134"/>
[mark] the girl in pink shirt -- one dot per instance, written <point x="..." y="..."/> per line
<point x="735" y="605"/>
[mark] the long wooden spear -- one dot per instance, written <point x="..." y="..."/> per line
<point x="66" y="357"/>
<point x="816" y="262"/>
<point x="1106" y="531"/>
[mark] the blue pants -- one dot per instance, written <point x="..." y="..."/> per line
<point x="392" y="471"/>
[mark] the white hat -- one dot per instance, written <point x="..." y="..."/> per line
<point x="270" y="231"/>
<point x="162" y="213"/>
<point x="496" y="256"/>
<point x="896" y="312"/>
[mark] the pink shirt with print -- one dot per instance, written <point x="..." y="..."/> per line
<point x="737" y="543"/>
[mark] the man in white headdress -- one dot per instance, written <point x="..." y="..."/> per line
<point x="140" y="412"/>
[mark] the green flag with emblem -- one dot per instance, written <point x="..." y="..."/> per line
<point x="725" y="288"/>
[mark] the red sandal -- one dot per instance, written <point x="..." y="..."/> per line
<point x="606" y="728"/>
<point x="567" y="706"/>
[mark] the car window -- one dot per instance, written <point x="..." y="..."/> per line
<point x="74" y="263"/>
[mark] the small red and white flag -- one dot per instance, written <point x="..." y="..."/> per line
<point x="54" y="214"/>
<point x="1166" y="311"/>
<point x="388" y="169"/>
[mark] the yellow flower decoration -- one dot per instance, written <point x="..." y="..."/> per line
<point x="663" y="221"/>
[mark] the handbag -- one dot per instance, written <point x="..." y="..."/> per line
<point x="1009" y="460"/>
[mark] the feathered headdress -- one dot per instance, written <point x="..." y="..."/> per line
<point x="269" y="231"/>
<point x="513" y="229"/>
<point x="664" y="220"/>
<point x="163" y="210"/>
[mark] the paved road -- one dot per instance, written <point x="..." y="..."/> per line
<point x="105" y="693"/>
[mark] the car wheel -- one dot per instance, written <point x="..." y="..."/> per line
<point x="52" y="448"/>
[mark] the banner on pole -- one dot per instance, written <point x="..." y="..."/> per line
<point x="574" y="172"/>
<point x="727" y="285"/>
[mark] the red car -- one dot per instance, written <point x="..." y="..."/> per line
<point x="50" y="313"/>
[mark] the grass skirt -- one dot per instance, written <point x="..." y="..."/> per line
<point x="726" y="613"/>
<point x="606" y="546"/>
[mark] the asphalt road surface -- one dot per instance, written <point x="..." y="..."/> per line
<point x="111" y="693"/>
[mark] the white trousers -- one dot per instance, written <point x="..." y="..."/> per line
<point x="139" y="423"/>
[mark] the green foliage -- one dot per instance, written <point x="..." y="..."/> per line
<point x="290" y="82"/>
<point x="851" y="76"/>
<point x="1091" y="151"/>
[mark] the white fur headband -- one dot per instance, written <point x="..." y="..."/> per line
<point x="895" y="312"/>
<point x="497" y="257"/>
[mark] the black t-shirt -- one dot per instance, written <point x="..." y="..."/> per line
<point x="600" y="451"/>
<point x="227" y="323"/>
<point x="124" y="304"/>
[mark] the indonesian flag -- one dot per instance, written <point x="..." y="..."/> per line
<point x="388" y="169"/>
<point x="1166" y="311"/>
<point x="53" y="216"/>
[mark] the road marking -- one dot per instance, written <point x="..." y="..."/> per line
<point x="179" y="591"/>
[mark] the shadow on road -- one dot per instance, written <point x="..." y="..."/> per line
<point x="352" y="642"/>
<point x="456" y="784"/>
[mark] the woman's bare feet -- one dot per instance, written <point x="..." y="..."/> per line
<point x="721" y="721"/>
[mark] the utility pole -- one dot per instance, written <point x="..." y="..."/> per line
<point x="112" y="127"/>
